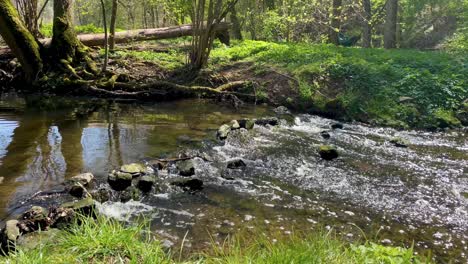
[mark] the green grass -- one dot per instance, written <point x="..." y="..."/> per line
<point x="368" y="83"/>
<point x="108" y="241"/>
<point x="170" y="61"/>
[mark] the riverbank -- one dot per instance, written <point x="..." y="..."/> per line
<point x="397" y="88"/>
<point x="108" y="241"/>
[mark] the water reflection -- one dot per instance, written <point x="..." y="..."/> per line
<point x="44" y="141"/>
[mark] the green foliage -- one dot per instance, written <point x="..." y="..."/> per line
<point x="171" y="60"/>
<point x="108" y="241"/>
<point x="371" y="83"/>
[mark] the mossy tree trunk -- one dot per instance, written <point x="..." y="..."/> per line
<point x="20" y="40"/>
<point x="65" y="48"/>
<point x="335" y="23"/>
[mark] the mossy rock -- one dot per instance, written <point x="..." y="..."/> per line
<point x="84" y="206"/>
<point x="186" y="168"/>
<point x="328" y="152"/>
<point x="246" y="123"/>
<point x="35" y="239"/>
<point x="130" y="193"/>
<point x="134" y="168"/>
<point x="120" y="181"/>
<point x="146" y="183"/>
<point x="446" y="119"/>
<point x="223" y="131"/>
<point x="400" y="142"/>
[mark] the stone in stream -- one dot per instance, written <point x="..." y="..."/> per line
<point x="186" y="168"/>
<point x="223" y="131"/>
<point x="235" y="164"/>
<point x="130" y="193"/>
<point x="77" y="190"/>
<point x="119" y="181"/>
<point x="246" y="123"/>
<point x="135" y="169"/>
<point x="35" y="239"/>
<point x="399" y="143"/>
<point x="146" y="183"/>
<point x="282" y="110"/>
<point x="84" y="178"/>
<point x="192" y="185"/>
<point x="337" y="126"/>
<point x="84" y="206"/>
<point x="234" y="125"/>
<point x="34" y="219"/>
<point x="272" y="121"/>
<point x="325" y="134"/>
<point x="101" y="195"/>
<point x="328" y="152"/>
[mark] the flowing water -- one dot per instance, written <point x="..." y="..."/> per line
<point x="374" y="190"/>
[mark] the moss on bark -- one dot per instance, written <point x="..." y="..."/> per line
<point x="20" y="40"/>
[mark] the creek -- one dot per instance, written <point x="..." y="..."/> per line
<point x="402" y="196"/>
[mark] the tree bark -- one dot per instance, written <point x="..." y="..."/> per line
<point x="366" y="26"/>
<point x="335" y="22"/>
<point x="112" y="25"/>
<point x="22" y="43"/>
<point x="236" y="27"/>
<point x="391" y="24"/>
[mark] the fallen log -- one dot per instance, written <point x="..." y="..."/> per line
<point x="129" y="36"/>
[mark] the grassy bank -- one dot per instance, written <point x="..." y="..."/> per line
<point x="400" y="88"/>
<point x="107" y="241"/>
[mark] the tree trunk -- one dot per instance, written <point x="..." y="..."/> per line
<point x="391" y="24"/>
<point x="335" y="22"/>
<point x="112" y="25"/>
<point x="366" y="26"/>
<point x="66" y="49"/>
<point x="20" y="40"/>
<point x="236" y="27"/>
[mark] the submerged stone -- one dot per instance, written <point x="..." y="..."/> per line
<point x="399" y="143"/>
<point x="325" y="134"/>
<point x="120" y="181"/>
<point x="235" y="164"/>
<point x="328" y="152"/>
<point x="146" y="183"/>
<point x="130" y="193"/>
<point x="192" y="185"/>
<point x="186" y="168"/>
<point x="246" y="123"/>
<point x="337" y="126"/>
<point x="272" y="121"/>
<point x="223" y="131"/>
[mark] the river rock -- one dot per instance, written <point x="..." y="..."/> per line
<point x="35" y="239"/>
<point x="246" y="123"/>
<point x="2" y="179"/>
<point x="235" y="164"/>
<point x="119" y="181"/>
<point x="135" y="169"/>
<point x="130" y="193"/>
<point x="101" y="195"/>
<point x="282" y="110"/>
<point x="325" y="134"/>
<point x="337" y="126"/>
<point x="62" y="218"/>
<point x="186" y="168"/>
<point x="84" y="178"/>
<point x="192" y="185"/>
<point x="223" y="131"/>
<point x="146" y="183"/>
<point x="234" y="125"/>
<point x="399" y="143"/>
<point x="272" y="121"/>
<point x="328" y="152"/>
<point x="84" y="206"/>
<point x="34" y="219"/>
<point x="77" y="190"/>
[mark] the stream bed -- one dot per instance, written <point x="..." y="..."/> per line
<point x="374" y="190"/>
